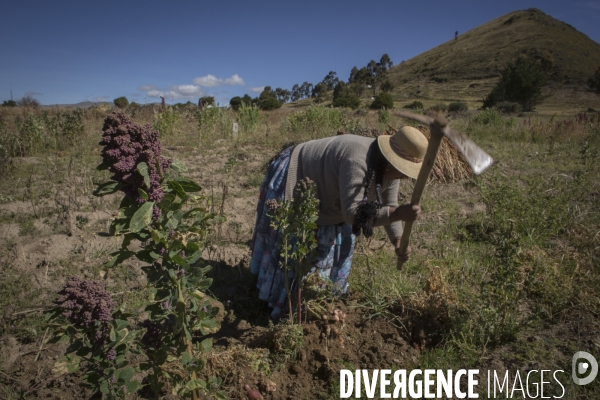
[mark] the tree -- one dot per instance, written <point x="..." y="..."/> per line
<point x="235" y="103"/>
<point x="296" y="95"/>
<point x="353" y="73"/>
<point x="386" y="86"/>
<point x="9" y="103"/>
<point x="383" y="100"/>
<point x="385" y="62"/>
<point x="306" y="90"/>
<point x="267" y="100"/>
<point x="344" y="96"/>
<point x="28" y="101"/>
<point x="121" y="102"/>
<point x="594" y="81"/>
<point x="318" y="92"/>
<point x="283" y="95"/>
<point x="520" y="82"/>
<point x="330" y="80"/>
<point x="206" y="101"/>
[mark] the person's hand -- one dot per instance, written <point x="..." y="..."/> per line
<point x="402" y="256"/>
<point x="406" y="212"/>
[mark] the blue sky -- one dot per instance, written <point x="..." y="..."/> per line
<point x="64" y="52"/>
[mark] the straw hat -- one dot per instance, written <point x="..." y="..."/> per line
<point x="405" y="150"/>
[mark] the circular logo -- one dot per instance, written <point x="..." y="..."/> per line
<point x="583" y="367"/>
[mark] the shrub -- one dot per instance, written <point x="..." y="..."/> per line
<point x="28" y="101"/>
<point x="594" y="81"/>
<point x="206" y="101"/>
<point x="521" y="83"/>
<point x="9" y="103"/>
<point x="171" y="227"/>
<point x="487" y="117"/>
<point x="316" y="120"/>
<point x="386" y="86"/>
<point x="344" y="96"/>
<point x="121" y="102"/>
<point x="440" y="107"/>
<point x="383" y="100"/>
<point x="270" y="104"/>
<point x="208" y="118"/>
<point x="30" y="138"/>
<point x="414" y="105"/>
<point x="249" y="117"/>
<point x="166" y="122"/>
<point x="508" y="107"/>
<point x="235" y="103"/>
<point x="458" y="106"/>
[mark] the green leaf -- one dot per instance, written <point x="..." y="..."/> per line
<point x="167" y="200"/>
<point x="107" y="188"/>
<point x="193" y="385"/>
<point x="132" y="386"/>
<point x="208" y="326"/>
<point x="206" y="345"/>
<point x="121" y="323"/>
<point x="125" y="374"/>
<point x="185" y="358"/>
<point x="66" y="365"/>
<point x="143" y="194"/>
<point x="142" y="217"/>
<point x="142" y="168"/>
<point x="177" y="189"/>
<point x="178" y="166"/>
<point x="104" y="387"/>
<point x="177" y="259"/>
<point x="147" y="256"/>
<point x="189" y="185"/>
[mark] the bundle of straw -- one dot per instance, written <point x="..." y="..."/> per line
<point x="450" y="165"/>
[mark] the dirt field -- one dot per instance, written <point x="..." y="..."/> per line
<point x="458" y="304"/>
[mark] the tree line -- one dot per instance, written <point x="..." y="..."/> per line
<point x="519" y="89"/>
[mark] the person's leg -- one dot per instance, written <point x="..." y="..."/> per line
<point x="345" y="241"/>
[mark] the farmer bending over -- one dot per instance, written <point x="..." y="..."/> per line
<point x="357" y="180"/>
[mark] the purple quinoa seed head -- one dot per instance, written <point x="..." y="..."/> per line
<point x="126" y="144"/>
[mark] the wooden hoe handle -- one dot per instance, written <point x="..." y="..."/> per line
<point x="437" y="134"/>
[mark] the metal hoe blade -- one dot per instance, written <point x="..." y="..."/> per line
<point x="478" y="159"/>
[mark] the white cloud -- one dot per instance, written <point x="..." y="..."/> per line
<point x="174" y="92"/>
<point x="235" y="80"/>
<point x="100" y="99"/>
<point x="208" y="81"/>
<point x="213" y="81"/>
<point x="257" y="89"/>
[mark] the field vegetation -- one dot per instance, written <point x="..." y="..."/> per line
<point x="504" y="274"/>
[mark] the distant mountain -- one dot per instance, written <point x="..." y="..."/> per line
<point x="466" y="68"/>
<point x="83" y="104"/>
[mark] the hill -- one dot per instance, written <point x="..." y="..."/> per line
<point x="466" y="68"/>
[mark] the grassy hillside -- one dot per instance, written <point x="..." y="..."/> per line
<point x="466" y="69"/>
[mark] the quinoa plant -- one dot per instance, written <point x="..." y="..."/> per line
<point x="166" y="122"/>
<point x="171" y="225"/>
<point x="295" y="220"/>
<point x="249" y="117"/>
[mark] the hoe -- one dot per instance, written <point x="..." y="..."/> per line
<point x="478" y="159"/>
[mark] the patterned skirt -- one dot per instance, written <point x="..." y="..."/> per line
<point x="334" y="253"/>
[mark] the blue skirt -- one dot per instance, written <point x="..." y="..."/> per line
<point x="334" y="253"/>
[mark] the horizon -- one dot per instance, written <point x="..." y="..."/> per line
<point x="186" y="51"/>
